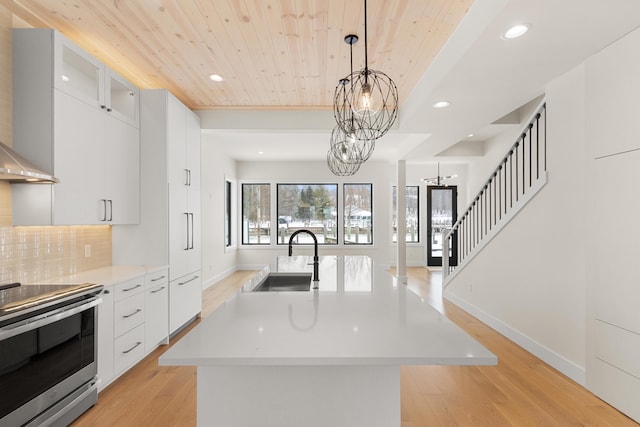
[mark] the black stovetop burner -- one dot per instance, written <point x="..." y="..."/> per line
<point x="15" y="297"/>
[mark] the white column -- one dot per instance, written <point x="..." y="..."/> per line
<point x="401" y="222"/>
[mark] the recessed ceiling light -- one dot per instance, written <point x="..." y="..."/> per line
<point x="470" y="135"/>
<point x="516" y="31"/>
<point x="260" y="152"/>
<point x="216" y="77"/>
<point x="441" y="104"/>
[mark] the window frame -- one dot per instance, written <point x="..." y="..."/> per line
<point x="344" y="207"/>
<point x="394" y="214"/>
<point x="337" y="206"/>
<point x="228" y="222"/>
<point x="242" y="214"/>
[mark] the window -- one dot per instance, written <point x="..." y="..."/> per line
<point x="413" y="215"/>
<point x="357" y="214"/>
<point x="227" y="213"/>
<point x="256" y="214"/>
<point x="310" y="206"/>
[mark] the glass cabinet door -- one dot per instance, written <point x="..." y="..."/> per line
<point x="122" y="98"/>
<point x="78" y="73"/>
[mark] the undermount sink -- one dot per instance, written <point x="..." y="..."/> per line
<point x="284" y="282"/>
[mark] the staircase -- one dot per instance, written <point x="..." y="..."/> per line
<point x="520" y="174"/>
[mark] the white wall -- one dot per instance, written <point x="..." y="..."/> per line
<point x="217" y="260"/>
<point x="613" y="291"/>
<point x="529" y="282"/>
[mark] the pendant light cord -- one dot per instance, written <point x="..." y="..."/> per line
<point x="351" y="81"/>
<point x="366" y="61"/>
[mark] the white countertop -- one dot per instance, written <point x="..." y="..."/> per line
<point x="107" y="276"/>
<point x="359" y="316"/>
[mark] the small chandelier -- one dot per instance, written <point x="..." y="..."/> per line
<point x="369" y="106"/>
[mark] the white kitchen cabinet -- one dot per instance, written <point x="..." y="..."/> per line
<point x="184" y="224"/>
<point x="186" y="300"/>
<point x="128" y="349"/>
<point x="85" y="135"/>
<point x="156" y="304"/>
<point x="128" y="323"/>
<point x="105" y="337"/>
<point x="82" y="76"/>
<point x="169" y="231"/>
<point x="121" y="319"/>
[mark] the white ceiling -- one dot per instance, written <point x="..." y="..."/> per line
<point x="483" y="76"/>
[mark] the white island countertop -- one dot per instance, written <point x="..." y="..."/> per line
<point x="359" y="316"/>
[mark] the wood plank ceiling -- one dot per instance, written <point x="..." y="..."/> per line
<point x="273" y="54"/>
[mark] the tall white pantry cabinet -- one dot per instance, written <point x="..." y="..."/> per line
<point x="169" y="230"/>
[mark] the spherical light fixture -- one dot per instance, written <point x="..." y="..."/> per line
<point x="349" y="149"/>
<point x="339" y="168"/>
<point x="368" y="105"/>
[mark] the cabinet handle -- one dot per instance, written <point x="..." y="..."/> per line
<point x="190" y="280"/>
<point x="106" y="291"/>
<point x="186" y="177"/>
<point x="187" y="216"/>
<point x="110" y="210"/>
<point x="158" y="278"/>
<point x="132" y="348"/>
<point x="189" y="177"/>
<point x="109" y="110"/>
<point x="126" y="316"/>
<point x="132" y="288"/>
<point x="103" y="106"/>
<point x="157" y="290"/>
<point x="104" y="209"/>
<point x="191" y="247"/>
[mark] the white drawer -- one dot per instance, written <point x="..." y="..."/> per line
<point x="128" y="314"/>
<point x="128" y="349"/>
<point x="129" y="288"/>
<point x="152" y="280"/>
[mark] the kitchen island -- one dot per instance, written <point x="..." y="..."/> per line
<point x="324" y="357"/>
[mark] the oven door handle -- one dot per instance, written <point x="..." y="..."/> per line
<point x="47" y="318"/>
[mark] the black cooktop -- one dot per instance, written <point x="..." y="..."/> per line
<point x="15" y="297"/>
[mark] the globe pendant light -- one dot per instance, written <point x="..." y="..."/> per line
<point x="372" y="98"/>
<point x="346" y="147"/>
<point x="340" y="168"/>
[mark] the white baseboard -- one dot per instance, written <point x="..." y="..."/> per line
<point x="215" y="279"/>
<point x="557" y="361"/>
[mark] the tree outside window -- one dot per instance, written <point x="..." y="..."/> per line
<point x="309" y="206"/>
<point x="358" y="211"/>
<point x="256" y="214"/>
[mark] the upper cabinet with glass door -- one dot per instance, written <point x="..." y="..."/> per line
<point x="84" y="77"/>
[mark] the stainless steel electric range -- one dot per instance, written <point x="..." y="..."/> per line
<point x="48" y="353"/>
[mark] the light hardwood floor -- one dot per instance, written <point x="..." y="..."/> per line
<point x="520" y="391"/>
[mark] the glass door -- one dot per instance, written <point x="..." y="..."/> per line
<point x="442" y="213"/>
